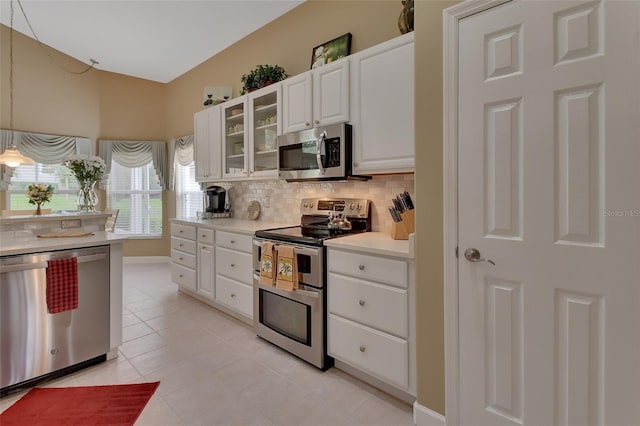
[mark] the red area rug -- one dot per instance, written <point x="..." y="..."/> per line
<point x="90" y="405"/>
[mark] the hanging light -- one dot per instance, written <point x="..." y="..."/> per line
<point x="11" y="156"/>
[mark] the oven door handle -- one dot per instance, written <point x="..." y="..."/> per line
<point x="287" y="294"/>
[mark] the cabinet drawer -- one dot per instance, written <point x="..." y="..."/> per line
<point x="183" y="231"/>
<point x="375" y="305"/>
<point x="187" y="246"/>
<point x="234" y="295"/>
<point x="184" y="259"/>
<point x="184" y="277"/>
<point x="205" y="236"/>
<point x="232" y="241"/>
<point x="234" y="264"/>
<point x="381" y="269"/>
<point x="380" y="354"/>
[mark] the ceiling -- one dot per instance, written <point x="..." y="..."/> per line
<point x="157" y="40"/>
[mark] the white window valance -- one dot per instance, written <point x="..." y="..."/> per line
<point x="42" y="148"/>
<point x="181" y="151"/>
<point x="136" y="154"/>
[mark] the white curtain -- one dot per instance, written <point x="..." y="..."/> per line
<point x="136" y="154"/>
<point x="42" y="148"/>
<point x="181" y="151"/>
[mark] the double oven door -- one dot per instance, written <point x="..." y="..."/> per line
<point x="296" y="320"/>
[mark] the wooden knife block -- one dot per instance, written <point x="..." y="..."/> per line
<point x="401" y="230"/>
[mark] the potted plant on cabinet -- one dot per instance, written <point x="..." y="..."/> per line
<point x="261" y="76"/>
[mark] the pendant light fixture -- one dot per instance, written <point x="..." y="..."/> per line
<point x="11" y="156"/>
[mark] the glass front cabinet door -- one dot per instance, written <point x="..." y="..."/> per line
<point x="265" y="126"/>
<point x="235" y="138"/>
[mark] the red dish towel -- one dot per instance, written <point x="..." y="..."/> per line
<point x="62" y="285"/>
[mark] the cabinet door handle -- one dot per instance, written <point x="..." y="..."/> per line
<point x="232" y="241"/>
<point x="361" y="302"/>
<point x="233" y="295"/>
<point x="307" y="123"/>
<point x="361" y="267"/>
<point x="181" y="244"/>
<point x="181" y="275"/>
<point x="317" y="121"/>
<point x="180" y="258"/>
<point x="180" y="231"/>
<point x="363" y="348"/>
<point x="233" y="265"/>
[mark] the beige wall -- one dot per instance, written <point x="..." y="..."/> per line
<point x="429" y="193"/>
<point x="106" y="105"/>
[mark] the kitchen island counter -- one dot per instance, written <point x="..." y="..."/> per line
<point x="375" y="243"/>
<point x="241" y="226"/>
<point x="26" y="243"/>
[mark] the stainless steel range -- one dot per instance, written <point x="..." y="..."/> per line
<point x="296" y="321"/>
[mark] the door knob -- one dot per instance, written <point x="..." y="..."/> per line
<point x="473" y="255"/>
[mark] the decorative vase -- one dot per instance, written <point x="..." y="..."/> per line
<point x="38" y="210"/>
<point x="87" y="196"/>
<point x="405" y="20"/>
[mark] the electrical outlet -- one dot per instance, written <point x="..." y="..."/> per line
<point x="70" y="223"/>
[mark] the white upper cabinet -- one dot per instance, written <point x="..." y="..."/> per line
<point x="235" y="140"/>
<point x="382" y="107"/>
<point x="264" y="127"/>
<point x="316" y="98"/>
<point x="207" y="140"/>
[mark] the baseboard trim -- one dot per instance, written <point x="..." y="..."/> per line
<point x="146" y="259"/>
<point x="423" y="416"/>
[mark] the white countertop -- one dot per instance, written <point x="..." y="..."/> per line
<point x="53" y="216"/>
<point x="241" y="226"/>
<point x="25" y="243"/>
<point x="375" y="243"/>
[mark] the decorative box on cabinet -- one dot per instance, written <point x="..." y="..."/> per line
<point x="183" y="256"/>
<point x="318" y="97"/>
<point x="370" y="317"/>
<point x="207" y="144"/>
<point x="234" y="272"/>
<point x="382" y="107"/>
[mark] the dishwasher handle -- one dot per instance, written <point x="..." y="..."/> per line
<point x="42" y="265"/>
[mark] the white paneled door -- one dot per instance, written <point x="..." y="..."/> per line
<point x="549" y="190"/>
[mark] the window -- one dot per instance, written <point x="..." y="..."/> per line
<point x="188" y="193"/>
<point x="65" y="193"/>
<point x="136" y="192"/>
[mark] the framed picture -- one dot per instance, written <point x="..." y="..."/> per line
<point x="331" y="51"/>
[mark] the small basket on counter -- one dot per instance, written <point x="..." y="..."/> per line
<point x="403" y="214"/>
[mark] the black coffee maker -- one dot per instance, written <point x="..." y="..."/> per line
<point x="215" y="200"/>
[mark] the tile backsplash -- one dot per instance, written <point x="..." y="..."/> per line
<point x="280" y="200"/>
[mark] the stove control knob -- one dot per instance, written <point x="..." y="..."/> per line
<point x="351" y="206"/>
<point x="310" y="205"/>
<point x="358" y="206"/>
<point x="306" y="205"/>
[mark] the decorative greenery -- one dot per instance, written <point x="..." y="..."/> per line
<point x="261" y="76"/>
<point x="85" y="169"/>
<point x="39" y="193"/>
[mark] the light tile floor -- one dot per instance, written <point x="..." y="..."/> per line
<point x="213" y="370"/>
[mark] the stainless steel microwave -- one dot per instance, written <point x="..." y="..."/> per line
<point x="321" y="153"/>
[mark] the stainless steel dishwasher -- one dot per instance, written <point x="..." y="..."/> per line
<point x="35" y="343"/>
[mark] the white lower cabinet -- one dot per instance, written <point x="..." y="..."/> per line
<point x="183" y="256"/>
<point x="214" y="266"/>
<point x="234" y="272"/>
<point x="371" y="324"/>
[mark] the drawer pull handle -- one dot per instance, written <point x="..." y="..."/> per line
<point x="361" y="302"/>
<point x="181" y="244"/>
<point x="363" y="348"/>
<point x="233" y="265"/>
<point x="204" y="236"/>
<point x="180" y="258"/>
<point x="180" y="231"/>
<point x="233" y="295"/>
<point x="181" y="275"/>
<point x="361" y="267"/>
<point x="232" y="241"/>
